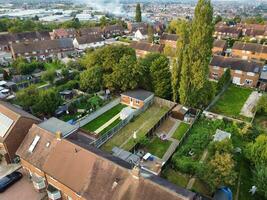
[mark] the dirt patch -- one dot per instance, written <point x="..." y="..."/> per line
<point x="263" y="124"/>
<point x="166" y="126"/>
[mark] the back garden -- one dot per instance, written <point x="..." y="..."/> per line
<point x="228" y="159"/>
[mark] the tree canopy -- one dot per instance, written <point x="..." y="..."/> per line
<point x="138" y="13"/>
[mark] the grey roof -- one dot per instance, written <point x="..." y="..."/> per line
<point x="87" y="39"/>
<point x="138" y="94"/>
<point x="172" y="37"/>
<point x="236" y="64"/>
<point x="54" y="125"/>
<point x="19" y="111"/>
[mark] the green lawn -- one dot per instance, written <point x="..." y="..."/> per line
<point x="176" y="177"/>
<point x="232" y="101"/>
<point x="180" y="131"/>
<point x="112" y="125"/>
<point x="104" y="118"/>
<point x="158" y="147"/>
<point x="141" y="124"/>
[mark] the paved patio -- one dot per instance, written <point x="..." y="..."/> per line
<point x="21" y="190"/>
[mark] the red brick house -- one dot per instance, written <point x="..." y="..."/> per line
<point x="144" y="48"/>
<point x="243" y="72"/>
<point x="14" y="125"/>
<point x="137" y="98"/>
<point x="219" y="47"/>
<point x="69" y="171"/>
<point x="249" y="51"/>
<point x="169" y="40"/>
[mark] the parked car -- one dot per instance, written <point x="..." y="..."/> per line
<point x="9" y="180"/>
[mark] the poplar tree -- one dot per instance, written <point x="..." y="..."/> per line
<point x="198" y="55"/>
<point x="183" y="31"/>
<point x="138" y="13"/>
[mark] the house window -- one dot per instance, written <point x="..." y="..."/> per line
<point x="238" y="72"/>
<point x="38" y="182"/>
<point x="137" y="102"/>
<point x="248" y="82"/>
<point x="250" y="74"/>
<point x="216" y="67"/>
<point x="53" y="193"/>
<point x="215" y="75"/>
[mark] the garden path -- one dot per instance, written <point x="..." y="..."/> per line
<point x="107" y="124"/>
<point x="191" y="182"/>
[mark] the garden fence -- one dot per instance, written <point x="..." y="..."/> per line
<point x="109" y="134"/>
<point x="88" y="118"/>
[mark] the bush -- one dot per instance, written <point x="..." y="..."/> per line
<point x="187" y="165"/>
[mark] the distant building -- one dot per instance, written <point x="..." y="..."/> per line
<point x="9" y="38"/>
<point x="249" y="51"/>
<point x="224" y="32"/>
<point x="113" y="30"/>
<point x="88" y="41"/>
<point x="243" y="72"/>
<point x="63" y="33"/>
<point x="42" y="50"/>
<point x="169" y="40"/>
<point x="14" y="126"/>
<point x="219" y="47"/>
<point x="144" y="48"/>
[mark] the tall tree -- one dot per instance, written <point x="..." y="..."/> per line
<point x="150" y="33"/>
<point x="161" y="77"/>
<point x="183" y="32"/>
<point x="199" y="54"/>
<point x="138" y="13"/>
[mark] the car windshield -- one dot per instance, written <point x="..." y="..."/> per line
<point x="4" y="180"/>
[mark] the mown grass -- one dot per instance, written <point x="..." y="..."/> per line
<point x="158" y="147"/>
<point x="180" y="131"/>
<point x="232" y="101"/>
<point x="104" y="118"/>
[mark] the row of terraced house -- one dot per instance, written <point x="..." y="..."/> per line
<point x="61" y="43"/>
<point x="66" y="169"/>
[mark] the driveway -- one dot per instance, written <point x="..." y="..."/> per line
<point x="21" y="190"/>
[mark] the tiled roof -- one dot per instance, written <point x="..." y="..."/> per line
<point x="144" y="46"/>
<point x="236" y="64"/>
<point x="219" y="43"/>
<point x="167" y="36"/>
<point x="253" y="47"/>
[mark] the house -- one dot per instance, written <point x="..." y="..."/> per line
<point x="113" y="30"/>
<point x="144" y="48"/>
<point x="58" y="127"/>
<point x="243" y="72"/>
<point x="249" y="51"/>
<point x="169" y="40"/>
<point x="96" y="31"/>
<point x="63" y="33"/>
<point x="263" y="79"/>
<point x="254" y="31"/>
<point x="88" y="41"/>
<point x="219" y="47"/>
<point x="133" y="27"/>
<point x="66" y="170"/>
<point x="9" y="38"/>
<point x="224" y="32"/>
<point x="140" y="35"/>
<point x="14" y="126"/>
<point x="137" y="98"/>
<point x="42" y="50"/>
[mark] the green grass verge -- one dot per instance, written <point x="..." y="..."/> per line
<point x="158" y="147"/>
<point x="104" y="118"/>
<point x="111" y="126"/>
<point x="232" y="101"/>
<point x="180" y="131"/>
<point x="141" y="124"/>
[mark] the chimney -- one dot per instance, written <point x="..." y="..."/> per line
<point x="136" y="172"/>
<point x="58" y="135"/>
